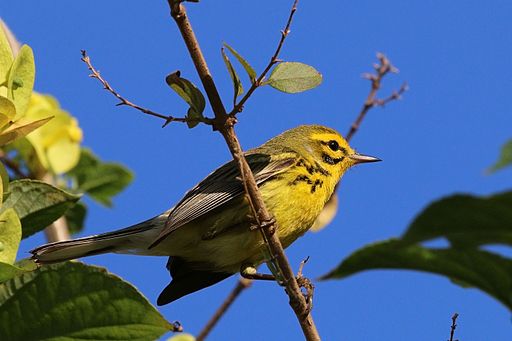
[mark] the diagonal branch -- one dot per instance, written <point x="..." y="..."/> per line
<point x="240" y="286"/>
<point x="123" y="101"/>
<point x="224" y="123"/>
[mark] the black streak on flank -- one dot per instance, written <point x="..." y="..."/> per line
<point x="330" y="160"/>
<point x="318" y="183"/>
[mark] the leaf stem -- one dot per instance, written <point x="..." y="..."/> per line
<point x="273" y="60"/>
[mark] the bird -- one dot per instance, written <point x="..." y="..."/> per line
<point x="209" y="235"/>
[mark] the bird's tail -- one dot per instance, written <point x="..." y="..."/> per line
<point x="134" y="239"/>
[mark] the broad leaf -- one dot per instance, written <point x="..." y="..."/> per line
<point x="10" y="235"/>
<point x="20" y="129"/>
<point x="98" y="179"/>
<point x="73" y="301"/>
<point x="465" y="220"/>
<point x="6" y="57"/>
<point x="505" y="158"/>
<point x="37" y="203"/>
<point x="75" y="217"/>
<point x="21" y="80"/>
<point x="8" y="271"/>
<point x="7" y="111"/>
<point x="486" y="271"/>
<point x="237" y="84"/>
<point x="293" y="77"/>
<point x="248" y="68"/>
<point x="190" y="93"/>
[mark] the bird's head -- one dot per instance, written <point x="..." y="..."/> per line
<point x="325" y="146"/>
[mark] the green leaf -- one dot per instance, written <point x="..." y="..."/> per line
<point x="20" y="129"/>
<point x="465" y="220"/>
<point x="21" y="80"/>
<point x="7" y="111"/>
<point x="6" y="57"/>
<point x="505" y="159"/>
<point x="248" y="68"/>
<point x="8" y="271"/>
<point x="190" y="93"/>
<point x="486" y="271"/>
<point x="237" y="84"/>
<point x="75" y="217"/>
<point x="73" y="301"/>
<point x="98" y="179"/>
<point x="10" y="235"/>
<point x="293" y="77"/>
<point x="37" y="203"/>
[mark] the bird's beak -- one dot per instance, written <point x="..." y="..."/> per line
<point x="358" y="158"/>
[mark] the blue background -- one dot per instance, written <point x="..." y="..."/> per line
<point x="437" y="141"/>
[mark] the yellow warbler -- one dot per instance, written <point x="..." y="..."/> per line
<point x="208" y="234"/>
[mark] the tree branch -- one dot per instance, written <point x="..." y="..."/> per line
<point x="454" y="325"/>
<point x="123" y="101"/>
<point x="273" y="60"/>
<point x="225" y="125"/>
<point x="381" y="70"/>
<point x="240" y="286"/>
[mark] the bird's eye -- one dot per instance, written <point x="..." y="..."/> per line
<point x="333" y="145"/>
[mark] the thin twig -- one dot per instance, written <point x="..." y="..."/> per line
<point x="14" y="167"/>
<point x="454" y="325"/>
<point x="224" y="123"/>
<point x="381" y="69"/>
<point x="123" y="101"/>
<point x="273" y="60"/>
<point x="240" y="286"/>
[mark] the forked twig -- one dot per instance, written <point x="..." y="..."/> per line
<point x="123" y="101"/>
<point x="453" y="327"/>
<point x="381" y="69"/>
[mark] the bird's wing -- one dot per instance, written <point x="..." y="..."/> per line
<point x="219" y="188"/>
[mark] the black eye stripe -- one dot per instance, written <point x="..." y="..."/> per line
<point x="332" y="161"/>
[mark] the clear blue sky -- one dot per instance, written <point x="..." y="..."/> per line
<point x="436" y="141"/>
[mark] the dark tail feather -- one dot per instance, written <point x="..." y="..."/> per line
<point x="185" y="280"/>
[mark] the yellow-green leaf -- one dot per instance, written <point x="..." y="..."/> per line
<point x="190" y="93"/>
<point x="505" y="159"/>
<point x="7" y="111"/>
<point x="73" y="301"/>
<point x="63" y="155"/>
<point x="293" y="77"/>
<point x="237" y="84"/>
<point x="8" y="271"/>
<point x="4" y="183"/>
<point x="248" y="68"/>
<point x="21" y="80"/>
<point x="10" y="235"/>
<point x="182" y="337"/>
<point x="6" y="57"/>
<point x="20" y="129"/>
